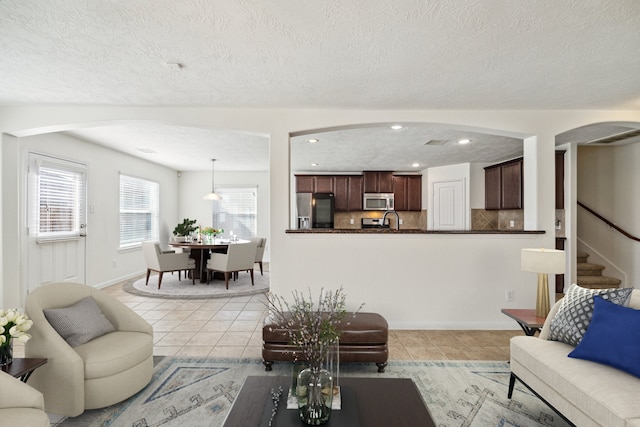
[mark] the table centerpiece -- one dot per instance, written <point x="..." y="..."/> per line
<point x="313" y="328"/>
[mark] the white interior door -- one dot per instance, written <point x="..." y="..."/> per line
<point x="448" y="205"/>
<point x="56" y="210"/>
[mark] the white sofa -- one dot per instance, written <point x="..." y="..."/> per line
<point x="585" y="393"/>
<point x="20" y="404"/>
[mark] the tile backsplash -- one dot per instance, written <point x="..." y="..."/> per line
<point x="411" y="220"/>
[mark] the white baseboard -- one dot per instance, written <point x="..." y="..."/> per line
<point x="507" y="325"/>
<point x="118" y="280"/>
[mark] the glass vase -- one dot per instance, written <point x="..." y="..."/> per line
<point x="6" y="352"/>
<point x="315" y="395"/>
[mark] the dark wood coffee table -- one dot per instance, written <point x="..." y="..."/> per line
<point x="379" y="402"/>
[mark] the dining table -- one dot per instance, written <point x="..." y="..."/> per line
<point x="201" y="251"/>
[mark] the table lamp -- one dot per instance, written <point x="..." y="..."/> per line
<point x="544" y="262"/>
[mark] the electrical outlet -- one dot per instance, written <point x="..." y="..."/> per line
<point x="401" y="221"/>
<point x="508" y="295"/>
<point x="512" y="223"/>
<point x="114" y="263"/>
<point x="352" y="221"/>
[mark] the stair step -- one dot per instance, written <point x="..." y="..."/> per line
<point x="582" y="257"/>
<point x="588" y="269"/>
<point x="598" y="282"/>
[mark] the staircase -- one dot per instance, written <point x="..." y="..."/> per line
<point x="590" y="275"/>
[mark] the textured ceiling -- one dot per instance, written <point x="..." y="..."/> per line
<point x="375" y="54"/>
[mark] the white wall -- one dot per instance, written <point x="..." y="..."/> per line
<point x="609" y="183"/>
<point x="476" y="186"/>
<point x="104" y="166"/>
<point x="415" y="281"/>
<point x="194" y="185"/>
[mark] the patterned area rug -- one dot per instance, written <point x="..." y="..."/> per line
<point x="198" y="392"/>
<point x="173" y="288"/>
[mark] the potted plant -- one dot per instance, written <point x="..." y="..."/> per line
<point x="185" y="228"/>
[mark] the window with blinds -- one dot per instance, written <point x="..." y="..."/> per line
<point x="139" y="211"/>
<point x="236" y="212"/>
<point x="61" y="201"/>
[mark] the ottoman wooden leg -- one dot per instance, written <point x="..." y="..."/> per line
<point x="381" y="366"/>
<point x="267" y="365"/>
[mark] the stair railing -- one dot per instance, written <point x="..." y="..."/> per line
<point x="609" y="223"/>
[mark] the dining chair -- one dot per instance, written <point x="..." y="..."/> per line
<point x="158" y="260"/>
<point x="262" y="242"/>
<point x="239" y="257"/>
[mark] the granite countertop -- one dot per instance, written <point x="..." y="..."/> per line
<point x="406" y="231"/>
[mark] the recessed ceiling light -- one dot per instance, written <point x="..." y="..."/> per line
<point x="175" y="66"/>
<point x="396" y="127"/>
<point x="464" y="141"/>
<point x="313" y="140"/>
<point x="314" y="164"/>
<point x="147" y="150"/>
<point x="415" y="165"/>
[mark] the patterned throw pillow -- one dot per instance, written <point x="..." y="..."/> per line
<point x="576" y="309"/>
<point x="79" y="323"/>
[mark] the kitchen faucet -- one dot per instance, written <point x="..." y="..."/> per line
<point x="397" y="218"/>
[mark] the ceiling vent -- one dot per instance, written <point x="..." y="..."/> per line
<point x="617" y="138"/>
<point x="436" y="142"/>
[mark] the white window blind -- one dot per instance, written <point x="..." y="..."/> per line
<point x="139" y="211"/>
<point x="237" y="211"/>
<point x="61" y="201"/>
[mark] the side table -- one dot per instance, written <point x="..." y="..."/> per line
<point x="526" y="318"/>
<point x="22" y="368"/>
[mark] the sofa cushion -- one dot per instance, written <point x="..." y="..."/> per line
<point x="613" y="337"/>
<point x="115" y="352"/>
<point x="80" y="322"/>
<point x="576" y="308"/>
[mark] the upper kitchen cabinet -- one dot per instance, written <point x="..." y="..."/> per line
<point x="407" y="192"/>
<point x="378" y="182"/>
<point x="314" y="183"/>
<point x="503" y="185"/>
<point x="348" y="191"/>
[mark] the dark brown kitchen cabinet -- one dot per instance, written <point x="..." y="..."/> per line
<point x="324" y="184"/>
<point x="348" y="191"/>
<point x="378" y="182"/>
<point x="511" y="181"/>
<point x="305" y="184"/>
<point x="503" y="185"/>
<point x="407" y="192"/>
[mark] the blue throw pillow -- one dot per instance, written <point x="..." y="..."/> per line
<point x="613" y="337"/>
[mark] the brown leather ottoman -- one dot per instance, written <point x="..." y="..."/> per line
<point x="363" y="339"/>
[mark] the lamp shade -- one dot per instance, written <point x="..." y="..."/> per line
<point x="540" y="260"/>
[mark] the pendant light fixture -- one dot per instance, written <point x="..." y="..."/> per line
<point x="212" y="195"/>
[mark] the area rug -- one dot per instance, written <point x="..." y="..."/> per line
<point x="173" y="288"/>
<point x="198" y="392"/>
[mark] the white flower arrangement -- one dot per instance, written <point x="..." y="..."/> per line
<point x="14" y="324"/>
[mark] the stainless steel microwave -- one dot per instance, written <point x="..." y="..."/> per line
<point x="377" y="201"/>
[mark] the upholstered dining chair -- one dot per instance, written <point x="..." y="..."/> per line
<point x="262" y="242"/>
<point x="99" y="352"/>
<point x="160" y="261"/>
<point x="239" y="257"/>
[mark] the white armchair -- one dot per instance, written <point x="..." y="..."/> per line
<point x="262" y="242"/>
<point x="99" y="373"/>
<point x="21" y="404"/>
<point x="160" y="261"/>
<point x="239" y="257"/>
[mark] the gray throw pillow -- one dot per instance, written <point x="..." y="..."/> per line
<point x="79" y="323"/>
<point x="576" y="309"/>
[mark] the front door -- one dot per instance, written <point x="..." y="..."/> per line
<point x="56" y="195"/>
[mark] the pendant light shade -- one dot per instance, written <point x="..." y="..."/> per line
<point x="212" y="195"/>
